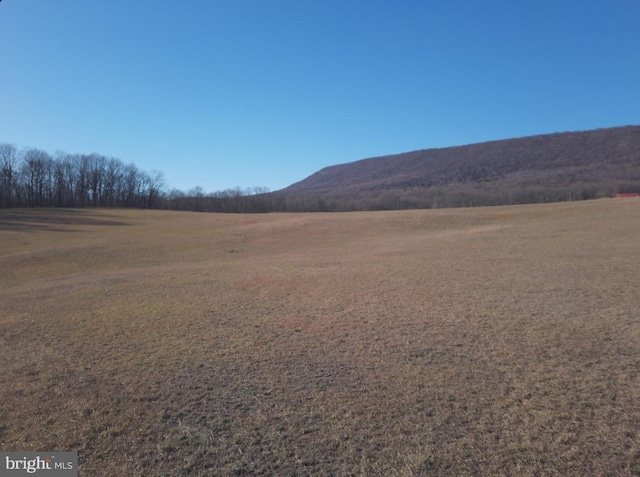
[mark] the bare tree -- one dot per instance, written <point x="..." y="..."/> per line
<point x="97" y="169"/>
<point x="8" y="174"/>
<point x="155" y="186"/>
<point x="36" y="170"/>
<point x="113" y="182"/>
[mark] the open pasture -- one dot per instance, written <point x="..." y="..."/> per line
<point x="480" y="341"/>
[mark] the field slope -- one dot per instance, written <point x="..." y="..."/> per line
<point x="478" y="341"/>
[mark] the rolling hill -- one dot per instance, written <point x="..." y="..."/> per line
<point x="544" y="168"/>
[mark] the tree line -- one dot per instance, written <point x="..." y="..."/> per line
<point x="34" y="178"/>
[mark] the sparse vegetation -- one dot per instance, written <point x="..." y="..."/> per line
<point x="485" y="341"/>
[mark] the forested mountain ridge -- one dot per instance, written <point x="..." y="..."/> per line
<point x="550" y="167"/>
<point x="545" y="168"/>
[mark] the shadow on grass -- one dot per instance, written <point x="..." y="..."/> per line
<point x="51" y="220"/>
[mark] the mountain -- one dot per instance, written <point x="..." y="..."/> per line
<point x="551" y="167"/>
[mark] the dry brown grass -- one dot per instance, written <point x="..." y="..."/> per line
<point x="495" y="341"/>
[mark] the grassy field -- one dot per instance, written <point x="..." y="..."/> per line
<point x="484" y="341"/>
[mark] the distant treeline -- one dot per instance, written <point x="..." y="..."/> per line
<point x="34" y="178"/>
<point x="445" y="197"/>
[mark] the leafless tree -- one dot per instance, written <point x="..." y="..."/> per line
<point x="8" y="174"/>
<point x="37" y="173"/>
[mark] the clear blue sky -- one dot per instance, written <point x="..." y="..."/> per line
<point x="225" y="93"/>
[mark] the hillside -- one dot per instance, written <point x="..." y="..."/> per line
<point x="545" y="168"/>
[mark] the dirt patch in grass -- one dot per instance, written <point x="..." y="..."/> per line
<point x="486" y="341"/>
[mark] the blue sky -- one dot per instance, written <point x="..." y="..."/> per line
<point x="226" y="93"/>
